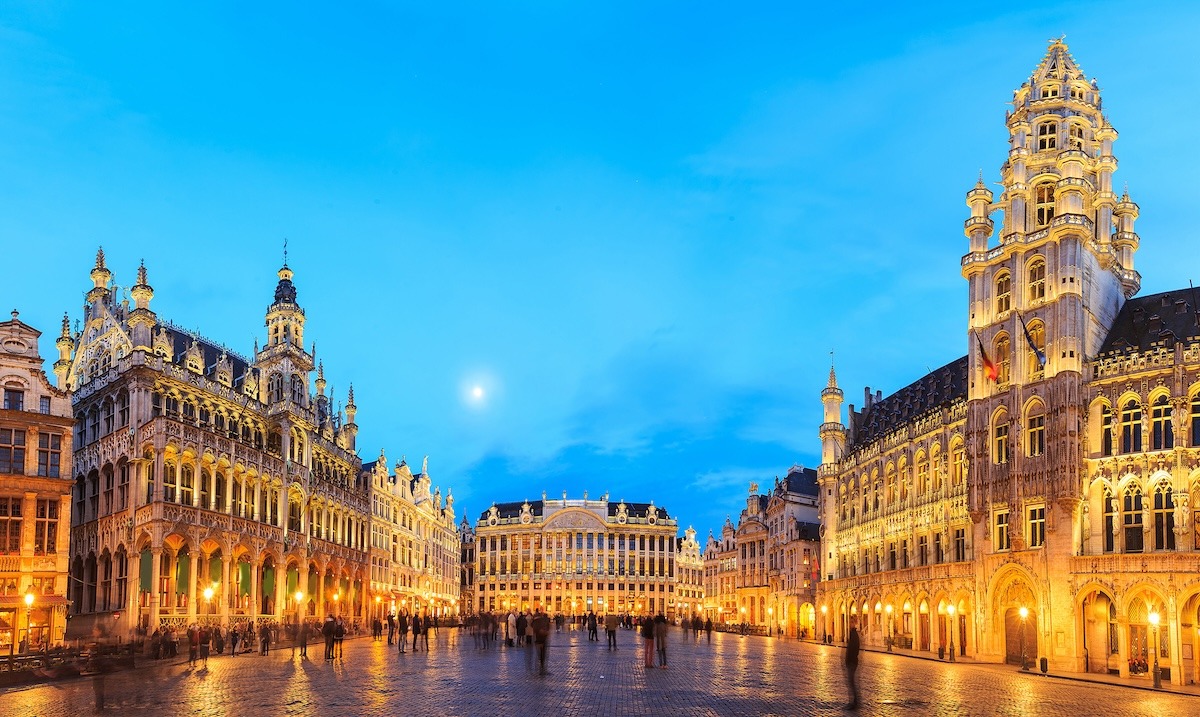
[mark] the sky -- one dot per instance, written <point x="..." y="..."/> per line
<point x="639" y="227"/>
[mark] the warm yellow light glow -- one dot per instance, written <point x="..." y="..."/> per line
<point x="889" y="609"/>
<point x="29" y="599"/>
<point x="335" y="597"/>
<point x="824" y="609"/>
<point x="1154" y="619"/>
<point x="208" y="593"/>
<point x="951" y="609"/>
<point x="299" y="596"/>
<point x="1024" y="612"/>
<point x="378" y="599"/>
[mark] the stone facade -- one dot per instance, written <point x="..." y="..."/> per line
<point x="573" y="556"/>
<point x="208" y="485"/>
<point x="414" y="544"/>
<point x="1056" y="463"/>
<point x="35" y="495"/>
<point x="689" y="576"/>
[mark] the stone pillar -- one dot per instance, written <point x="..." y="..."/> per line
<point x="255" y="579"/>
<point x="302" y="587"/>
<point x="1123" y="644"/>
<point x="192" y="582"/>
<point x="226" y="588"/>
<point x="280" y="592"/>
<point x="197" y="482"/>
<point x="155" y="588"/>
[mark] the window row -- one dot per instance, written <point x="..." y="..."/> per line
<point x="45" y="525"/>
<point x="14" y="400"/>
<point x="903" y="554"/>
<point x="13" y="453"/>
<point x="1035" y="284"/>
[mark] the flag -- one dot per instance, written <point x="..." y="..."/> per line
<point x="989" y="368"/>
<point x="1041" y="356"/>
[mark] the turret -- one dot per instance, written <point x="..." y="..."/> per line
<point x="351" y="427"/>
<point x="99" y="292"/>
<point x="1125" y="243"/>
<point x="978" y="227"/>
<point x="142" y="320"/>
<point x="64" y="343"/>
<point x="833" y="433"/>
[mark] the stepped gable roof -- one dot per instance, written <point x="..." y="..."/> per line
<point x="932" y="391"/>
<point x="181" y="341"/>
<point x="1153" y="320"/>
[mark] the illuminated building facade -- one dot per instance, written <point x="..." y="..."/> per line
<point x="414" y="544"/>
<point x="35" y="495"/>
<point x="466" y="583"/>
<point x="762" y="571"/>
<point x="573" y="556"/>
<point x="689" y="576"/>
<point x="207" y="484"/>
<point x="1033" y="499"/>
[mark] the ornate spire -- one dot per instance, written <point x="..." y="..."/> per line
<point x="100" y="258"/>
<point x="66" y="327"/>
<point x="321" y="379"/>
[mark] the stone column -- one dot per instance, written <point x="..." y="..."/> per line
<point x="192" y="582"/>
<point x="227" y="590"/>
<point x="302" y="587"/>
<point x="1123" y="644"/>
<point x="155" y="588"/>
<point x="255" y="579"/>
<point x="197" y="482"/>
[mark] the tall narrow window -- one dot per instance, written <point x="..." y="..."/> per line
<point x="1106" y="431"/>
<point x="1035" y="431"/>
<point x="1001" y="530"/>
<point x="1043" y="203"/>
<point x="1037" y="527"/>
<point x="1164" y="517"/>
<point x="10" y="525"/>
<point x="958" y="462"/>
<point x="170" y="482"/>
<point x="1047" y="134"/>
<point x="123" y="409"/>
<point x="1110" y="520"/>
<point x="1000" y="440"/>
<point x="1195" y="441"/>
<point x="960" y="544"/>
<point x="1074" y="132"/>
<point x="1131" y="427"/>
<point x="922" y="475"/>
<point x="1162" y="432"/>
<point x="1037" y="280"/>
<point x="1003" y="360"/>
<point x="45" y="535"/>
<point x="1003" y="293"/>
<point x="49" y="454"/>
<point x="14" y="399"/>
<point x="1036" y="354"/>
<point x="1132" y="519"/>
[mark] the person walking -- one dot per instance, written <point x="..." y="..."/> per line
<point x="339" y="634"/>
<point x="660" y="639"/>
<point x="610" y="627"/>
<point x="193" y="636"/>
<point x="204" y="638"/>
<point x="327" y="633"/>
<point x="592" y="623"/>
<point x="708" y="629"/>
<point x="426" y="625"/>
<point x="647" y="631"/>
<point x="541" y="638"/>
<point x="234" y="636"/>
<point x="391" y="623"/>
<point x="303" y="636"/>
<point x="402" y="630"/>
<point x="417" y="628"/>
<point x="853" y="647"/>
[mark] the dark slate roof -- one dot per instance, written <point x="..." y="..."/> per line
<point x="801" y="480"/>
<point x="181" y="341"/>
<point x="637" y="509"/>
<point x="1152" y="320"/>
<point x="929" y="393"/>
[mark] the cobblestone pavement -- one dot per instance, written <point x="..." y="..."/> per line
<point x="732" y="676"/>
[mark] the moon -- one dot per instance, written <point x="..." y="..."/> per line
<point x="477" y="392"/>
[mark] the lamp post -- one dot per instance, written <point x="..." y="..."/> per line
<point x="1024" y="612"/>
<point x="29" y="620"/>
<point x="1157" y="677"/>
<point x="208" y="593"/>
<point x="299" y="604"/>
<point x="824" y="624"/>
<point x="336" y="596"/>
<point x="771" y="619"/>
<point x="891" y="627"/>
<point x="951" y="610"/>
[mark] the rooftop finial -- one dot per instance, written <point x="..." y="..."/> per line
<point x="142" y="272"/>
<point x="285" y="251"/>
<point x="100" y="258"/>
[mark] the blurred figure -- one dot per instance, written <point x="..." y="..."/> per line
<point x="852" y="649"/>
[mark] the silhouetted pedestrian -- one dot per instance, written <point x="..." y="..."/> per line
<point x="852" y="649"/>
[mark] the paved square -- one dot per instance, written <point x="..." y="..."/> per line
<point x="732" y="676"/>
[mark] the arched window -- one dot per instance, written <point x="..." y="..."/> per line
<point x="275" y="388"/>
<point x="187" y="484"/>
<point x="294" y="516"/>
<point x="958" y="462"/>
<point x="905" y="480"/>
<point x="922" y="475"/>
<point x="1106" y="430"/>
<point x="1047" y="132"/>
<point x="1037" y="280"/>
<point x="1035" y="430"/>
<point x="935" y="462"/>
<point x="298" y="389"/>
<point x="1043" y="203"/>
<point x="1034" y="360"/>
<point x="1003" y="360"/>
<point x="123" y="409"/>
<point x="1195" y="421"/>
<point x="1110" y="520"/>
<point x="1050" y="91"/>
<point x="890" y="487"/>
<point x="1003" y="293"/>
<point x="1000" y="439"/>
<point x="1164" y="517"/>
<point x="170" y="482"/>
<point x="1132" y="518"/>
<point x="1131" y="427"/>
<point x="1162" y="430"/>
<point x="206" y="490"/>
<point x="1074" y="134"/>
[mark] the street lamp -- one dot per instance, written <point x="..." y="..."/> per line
<point x="29" y="621"/>
<point x="208" y="593"/>
<point x="824" y="624"/>
<point x="299" y="602"/>
<point x="1024" y="612"/>
<point x="891" y="626"/>
<point x="951" y="609"/>
<point x="1157" y="676"/>
<point x="771" y="619"/>
<point x="336" y="596"/>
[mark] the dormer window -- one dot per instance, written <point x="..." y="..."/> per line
<point x="1077" y="93"/>
<point x="1050" y="91"/>
<point x="1047" y="134"/>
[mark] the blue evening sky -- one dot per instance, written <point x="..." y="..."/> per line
<point x="639" y="227"/>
